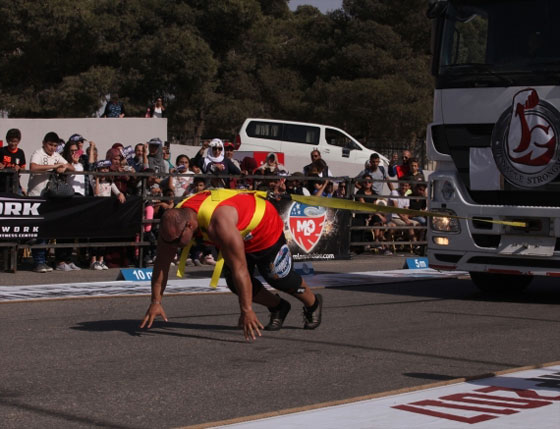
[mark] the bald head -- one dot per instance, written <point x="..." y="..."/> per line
<point x="173" y="226"/>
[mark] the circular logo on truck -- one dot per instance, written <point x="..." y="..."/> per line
<point x="524" y="141"/>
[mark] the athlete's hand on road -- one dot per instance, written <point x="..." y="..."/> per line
<point x="251" y="325"/>
<point x="154" y="311"/>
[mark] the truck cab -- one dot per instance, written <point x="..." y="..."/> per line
<point x="494" y="137"/>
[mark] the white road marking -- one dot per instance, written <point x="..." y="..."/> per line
<point x="523" y="399"/>
<point x="201" y="285"/>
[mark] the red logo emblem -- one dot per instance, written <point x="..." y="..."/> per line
<point x="524" y="141"/>
<point x="306" y="225"/>
<point x="531" y="137"/>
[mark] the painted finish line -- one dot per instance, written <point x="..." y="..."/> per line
<point x="201" y="285"/>
<point x="522" y="399"/>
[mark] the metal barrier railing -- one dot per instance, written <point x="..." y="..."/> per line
<point x="10" y="249"/>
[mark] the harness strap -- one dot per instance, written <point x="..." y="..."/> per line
<point x="205" y="214"/>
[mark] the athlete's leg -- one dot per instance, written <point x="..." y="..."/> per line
<point x="260" y="294"/>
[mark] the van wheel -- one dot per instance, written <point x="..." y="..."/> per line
<point x="500" y="284"/>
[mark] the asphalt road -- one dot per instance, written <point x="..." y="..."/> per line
<point x="83" y="363"/>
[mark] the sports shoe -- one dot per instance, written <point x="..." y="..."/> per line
<point x="197" y="262"/>
<point x="41" y="268"/>
<point x="277" y="317"/>
<point x="96" y="266"/>
<point x="387" y="252"/>
<point x="63" y="266"/>
<point x="312" y="320"/>
<point x="73" y="266"/>
<point x="209" y="260"/>
<point x="103" y="266"/>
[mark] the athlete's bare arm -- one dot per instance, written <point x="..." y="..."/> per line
<point x="165" y="254"/>
<point x="224" y="233"/>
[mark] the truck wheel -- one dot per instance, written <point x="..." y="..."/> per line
<point x="500" y="284"/>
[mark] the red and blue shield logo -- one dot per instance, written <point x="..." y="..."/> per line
<point x="306" y="224"/>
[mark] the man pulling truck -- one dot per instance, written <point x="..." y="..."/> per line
<point x="249" y="233"/>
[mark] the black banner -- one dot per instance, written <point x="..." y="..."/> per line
<point x="315" y="233"/>
<point x="76" y="217"/>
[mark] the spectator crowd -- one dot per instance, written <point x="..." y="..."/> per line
<point x="170" y="179"/>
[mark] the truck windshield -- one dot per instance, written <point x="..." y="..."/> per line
<point x="500" y="43"/>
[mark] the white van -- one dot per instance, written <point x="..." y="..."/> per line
<point x="344" y="155"/>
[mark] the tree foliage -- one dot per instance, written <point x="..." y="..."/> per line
<point x="216" y="62"/>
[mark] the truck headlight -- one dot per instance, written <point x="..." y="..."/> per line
<point x="445" y="223"/>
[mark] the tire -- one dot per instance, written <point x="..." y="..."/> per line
<point x="500" y="284"/>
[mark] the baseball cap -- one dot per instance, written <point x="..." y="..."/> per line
<point x="229" y="145"/>
<point x="76" y="138"/>
<point x="155" y="141"/>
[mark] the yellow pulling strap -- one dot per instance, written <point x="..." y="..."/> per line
<point x="343" y="204"/>
<point x="183" y="259"/>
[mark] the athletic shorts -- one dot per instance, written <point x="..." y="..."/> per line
<point x="275" y="264"/>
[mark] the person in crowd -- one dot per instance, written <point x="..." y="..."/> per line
<point x="12" y="159"/>
<point x="247" y="166"/>
<point x="198" y="160"/>
<point x="179" y="183"/>
<point x="315" y="156"/>
<point x="403" y="169"/>
<point x="153" y="193"/>
<point x="272" y="165"/>
<point x="201" y="253"/>
<point x="155" y="156"/>
<point x="103" y="187"/>
<point x="229" y="149"/>
<point x="166" y="153"/>
<point x="198" y="185"/>
<point x="317" y="187"/>
<point x="415" y="173"/>
<point x="157" y="110"/>
<point x="140" y="160"/>
<point x="115" y="156"/>
<point x="43" y="161"/>
<point x="265" y="248"/>
<point x="216" y="163"/>
<point x="366" y="194"/>
<point x="377" y="173"/>
<point x="63" y="255"/>
<point x="72" y="155"/>
<point x="341" y="190"/>
<point x="114" y="108"/>
<point x="294" y="185"/>
<point x="79" y="140"/>
<point x="399" y="200"/>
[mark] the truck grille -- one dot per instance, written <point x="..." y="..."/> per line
<point x="456" y="140"/>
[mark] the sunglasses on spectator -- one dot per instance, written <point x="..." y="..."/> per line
<point x="217" y="149"/>
<point x="229" y="149"/>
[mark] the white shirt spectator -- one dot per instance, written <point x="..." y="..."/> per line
<point x="38" y="181"/>
<point x="78" y="181"/>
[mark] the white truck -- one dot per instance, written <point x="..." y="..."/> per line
<point x="495" y="137"/>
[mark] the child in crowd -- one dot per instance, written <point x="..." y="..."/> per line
<point x="102" y="187"/>
<point x="180" y="184"/>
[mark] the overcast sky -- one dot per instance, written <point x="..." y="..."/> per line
<point x="323" y="5"/>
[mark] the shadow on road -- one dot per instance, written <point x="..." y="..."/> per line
<point x="541" y="291"/>
<point x="131" y="327"/>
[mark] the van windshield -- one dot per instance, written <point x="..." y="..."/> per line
<point x="336" y="138"/>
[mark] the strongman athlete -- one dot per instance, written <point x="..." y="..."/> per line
<point x="248" y="231"/>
